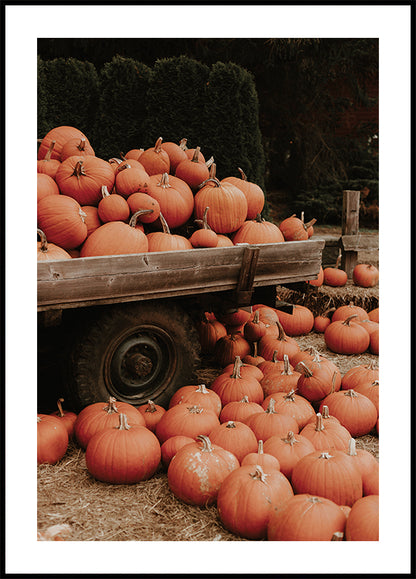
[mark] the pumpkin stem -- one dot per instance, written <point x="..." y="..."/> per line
<point x="195" y="409"/>
<point x="338" y="261"/>
<point x="310" y="223"/>
<point x="259" y="474"/>
<point x="79" y="170"/>
<point x="49" y="151"/>
<point x="206" y="443"/>
<point x="182" y="144"/>
<point x="136" y="215"/>
<point x="210" y="162"/>
<point x="352" y="449"/>
<point x="111" y="407"/>
<point x="305" y="370"/>
<point x="243" y="175"/>
<point x="319" y="426"/>
<point x="290" y="396"/>
<point x="236" y="369"/>
<point x="203" y="222"/>
<point x="82" y="214"/>
<point x="290" y="438"/>
<point x="325" y="412"/>
<point x="334" y="377"/>
<point x="104" y="191"/>
<point x="151" y="406"/>
<point x="338" y="536"/>
<point x="38" y="419"/>
<point x="43" y="241"/>
<point x="260" y="447"/>
<point x="326" y="455"/>
<point x="202" y="388"/>
<point x="195" y="157"/>
<point x="210" y="179"/>
<point x="350" y="393"/>
<point x="81" y="145"/>
<point x="231" y="424"/>
<point x="282" y="335"/>
<point x="270" y="408"/>
<point x="123" y="424"/>
<point x="164" y="181"/>
<point x="164" y="224"/>
<point x="158" y="145"/>
<point x="259" y="218"/>
<point x="59" y="404"/>
<point x="286" y="368"/>
<point x="245" y="399"/>
<point x="123" y="167"/>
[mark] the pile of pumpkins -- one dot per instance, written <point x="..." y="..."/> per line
<point x="270" y="441"/>
<point x="163" y="198"/>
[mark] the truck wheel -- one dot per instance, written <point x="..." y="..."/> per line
<point x="134" y="352"/>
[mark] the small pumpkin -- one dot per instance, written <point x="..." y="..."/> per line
<point x="204" y="237"/>
<point x="280" y="381"/>
<point x="197" y="395"/>
<point x="322" y="321"/>
<point x="318" y="282"/>
<point x="229" y="346"/>
<point x="165" y="240"/>
<point x="368" y="466"/>
<point x="294" y="229"/>
<point x="288" y="449"/>
<point x="267" y="462"/>
<point x="82" y="177"/>
<point x="186" y="420"/>
<point x="299" y="322"/>
<point x="175" y="152"/>
<point x="343" y="312"/>
<point x="151" y="413"/>
<point x="47" y="165"/>
<point x="281" y="344"/>
<point x="67" y="417"/>
<point x="354" y="411"/>
<point x="363" y="520"/>
<point x="235" y="437"/>
<point x="209" y="331"/>
<point x="326" y="434"/>
<point x="271" y="423"/>
<point x="193" y="171"/>
<point x="233" y="387"/>
<point x="139" y="201"/>
<point x="52" y="439"/>
<point x="171" y="446"/>
<point x="130" y="178"/>
<point x="293" y="405"/>
<point x="365" y="275"/>
<point x="335" y="276"/>
<point x="155" y="160"/>
<point x="49" y="251"/>
<point x="62" y="220"/>
<point x="112" y="207"/>
<point x="346" y="337"/>
<point x="258" y="231"/>
<point x="239" y="410"/>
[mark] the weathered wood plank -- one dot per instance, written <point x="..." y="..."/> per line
<point x="72" y="283"/>
<point x="350" y="226"/>
<point x="358" y="242"/>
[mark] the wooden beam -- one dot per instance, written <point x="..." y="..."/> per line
<point x="350" y="226"/>
<point x="358" y="242"/>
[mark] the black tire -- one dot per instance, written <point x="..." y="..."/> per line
<point x="134" y="352"/>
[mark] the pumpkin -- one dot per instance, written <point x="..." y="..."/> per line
<point x="354" y="411"/>
<point x="60" y="135"/>
<point x="224" y="241"/>
<point x="49" y="251"/>
<point x="198" y="470"/>
<point x="91" y="218"/>
<point x="138" y="201"/>
<point x="293" y="229"/>
<point x="311" y="354"/>
<point x="62" y="220"/>
<point x="197" y="395"/>
<point x="247" y="498"/>
<point x="373" y="315"/>
<point x="130" y="178"/>
<point x="275" y="365"/>
<point x="305" y="517"/>
<point x="204" y="237"/>
<point x="46" y="186"/>
<point x="193" y="171"/>
<point x="231" y="388"/>
<point x="280" y="381"/>
<point x="253" y="358"/>
<point x="332" y="475"/>
<point x="267" y="314"/>
<point x="81" y="177"/>
<point x="191" y="152"/>
<point x="116" y="238"/>
<point x="235" y="316"/>
<point x="365" y="275"/>
<point x="52" y="439"/>
<point x="47" y="165"/>
<point x="326" y="417"/>
<point x="371" y="390"/>
<point x="281" y="344"/>
<point x="368" y="466"/>
<point x="101" y="415"/>
<point x="374" y="342"/>
<point x="155" y="160"/>
<point x="67" y="418"/>
<point x="253" y="192"/>
<point x="112" y="207"/>
<point x="124" y="454"/>
<point x="293" y="405"/>
<point x="174" y="196"/>
<point x="239" y="410"/>
<point x="151" y="413"/>
<point x="76" y="146"/>
<point x="171" y="446"/>
<point x="318" y="282"/>
<point x="369" y="326"/>
<point x="267" y="462"/>
<point x="235" y="437"/>
<point x="346" y="337"/>
<point x="288" y="449"/>
<point x="326" y="434"/>
<point x="176" y="154"/>
<point x="228" y="347"/>
<point x="254" y="329"/>
<point x="299" y="322"/>
<point x="258" y="231"/>
<point x="245" y="370"/>
<point x="209" y="331"/>
<point x="343" y="312"/>
<point x="315" y="381"/>
<point x="363" y="520"/>
<point x="335" y="276"/>
<point x="165" y="240"/>
<point x="186" y="420"/>
<point x="322" y="321"/>
<point x="134" y="154"/>
<point x="271" y="422"/>
<point x="227" y="203"/>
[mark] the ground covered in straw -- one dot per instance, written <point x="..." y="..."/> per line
<point x="147" y="511"/>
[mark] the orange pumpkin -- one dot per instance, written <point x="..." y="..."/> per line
<point x="258" y="230"/>
<point x="174" y="196"/>
<point x="60" y="135"/>
<point x="253" y="192"/>
<point x="165" y="240"/>
<point x="76" y="146"/>
<point x="49" y="251"/>
<point x="81" y="177"/>
<point x="155" y="160"/>
<point x="62" y="220"/>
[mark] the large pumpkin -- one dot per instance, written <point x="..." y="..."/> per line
<point x="186" y="420"/>
<point x="60" y="135"/>
<point x="288" y="449"/>
<point x="124" y="454"/>
<point x="174" y="196"/>
<point x="354" y="411"/>
<point x="227" y="205"/>
<point x="197" y="471"/>
<point x="247" y="498"/>
<point x="363" y="520"/>
<point x="199" y="395"/>
<point x="81" y="177"/>
<point x="258" y="231"/>
<point x="235" y="437"/>
<point x="346" y="337"/>
<point x="46" y="185"/>
<point x="62" y="220"/>
<point x="253" y="192"/>
<point x="193" y="170"/>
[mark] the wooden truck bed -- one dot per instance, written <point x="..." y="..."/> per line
<point x="113" y="279"/>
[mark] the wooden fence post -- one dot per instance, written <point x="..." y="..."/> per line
<point x="350" y="226"/>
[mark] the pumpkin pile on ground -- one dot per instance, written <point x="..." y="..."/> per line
<point x="163" y="198"/>
<point x="269" y="442"/>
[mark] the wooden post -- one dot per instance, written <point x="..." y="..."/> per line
<point x="350" y="226"/>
